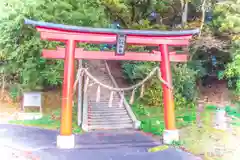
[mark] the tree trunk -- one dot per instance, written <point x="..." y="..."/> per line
<point x="158" y="19"/>
<point x="185" y="14"/>
<point x="203" y="16"/>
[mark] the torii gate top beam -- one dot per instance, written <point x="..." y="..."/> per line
<point x="60" y="32"/>
<point x="69" y="28"/>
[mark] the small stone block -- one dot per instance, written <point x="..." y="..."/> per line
<point x="169" y="136"/>
<point x="65" y="142"/>
<point x="137" y="124"/>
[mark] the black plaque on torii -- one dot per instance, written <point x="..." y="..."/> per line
<point x="121" y="44"/>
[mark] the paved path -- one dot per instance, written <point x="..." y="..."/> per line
<point x="107" y="145"/>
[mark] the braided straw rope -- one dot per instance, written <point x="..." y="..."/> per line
<point x="150" y="75"/>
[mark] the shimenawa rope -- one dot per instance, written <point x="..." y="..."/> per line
<point x="150" y="75"/>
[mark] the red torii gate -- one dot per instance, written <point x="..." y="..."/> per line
<point x="71" y="35"/>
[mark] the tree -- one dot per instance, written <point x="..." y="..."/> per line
<point x="21" y="46"/>
<point x="131" y="13"/>
<point x="228" y="24"/>
<point x="228" y="20"/>
<point x="152" y="14"/>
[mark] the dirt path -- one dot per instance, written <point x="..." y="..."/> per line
<point x="216" y="93"/>
<point x="7" y="107"/>
<point x="117" y="73"/>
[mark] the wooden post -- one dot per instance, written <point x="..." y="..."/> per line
<point x="170" y="134"/>
<point x="168" y="101"/>
<point x="67" y="94"/>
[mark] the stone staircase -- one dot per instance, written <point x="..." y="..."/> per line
<point x="99" y="115"/>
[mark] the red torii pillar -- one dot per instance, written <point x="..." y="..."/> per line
<point x="72" y="34"/>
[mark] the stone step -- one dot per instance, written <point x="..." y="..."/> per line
<point x="107" y="113"/>
<point x="107" y="109"/>
<point x="102" y="103"/>
<point x="113" y="106"/>
<point x="104" y="100"/>
<point x="99" y="117"/>
<point x="115" y="126"/>
<point x="113" y="120"/>
<point x="91" y="122"/>
<point x="110" y="116"/>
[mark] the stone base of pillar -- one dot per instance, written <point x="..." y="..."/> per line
<point x="137" y="124"/>
<point x="85" y="127"/>
<point x="169" y="136"/>
<point x="65" y="142"/>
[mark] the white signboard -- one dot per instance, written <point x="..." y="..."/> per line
<point x="32" y="99"/>
<point x="221" y="119"/>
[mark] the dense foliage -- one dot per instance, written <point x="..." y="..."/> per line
<point x="183" y="81"/>
<point x="21" y="46"/>
<point x="139" y="15"/>
<point x="228" y="23"/>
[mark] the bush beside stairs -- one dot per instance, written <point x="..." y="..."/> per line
<point x="99" y="115"/>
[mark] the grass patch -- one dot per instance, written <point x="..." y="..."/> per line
<point x="229" y="110"/>
<point x="211" y="108"/>
<point x="205" y="140"/>
<point x="232" y="111"/>
<point x="208" y="141"/>
<point x="152" y="118"/>
<point x="49" y="121"/>
<point x="45" y="122"/>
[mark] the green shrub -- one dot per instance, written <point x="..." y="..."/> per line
<point x="183" y="80"/>
<point x="153" y="126"/>
<point x="153" y="94"/>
